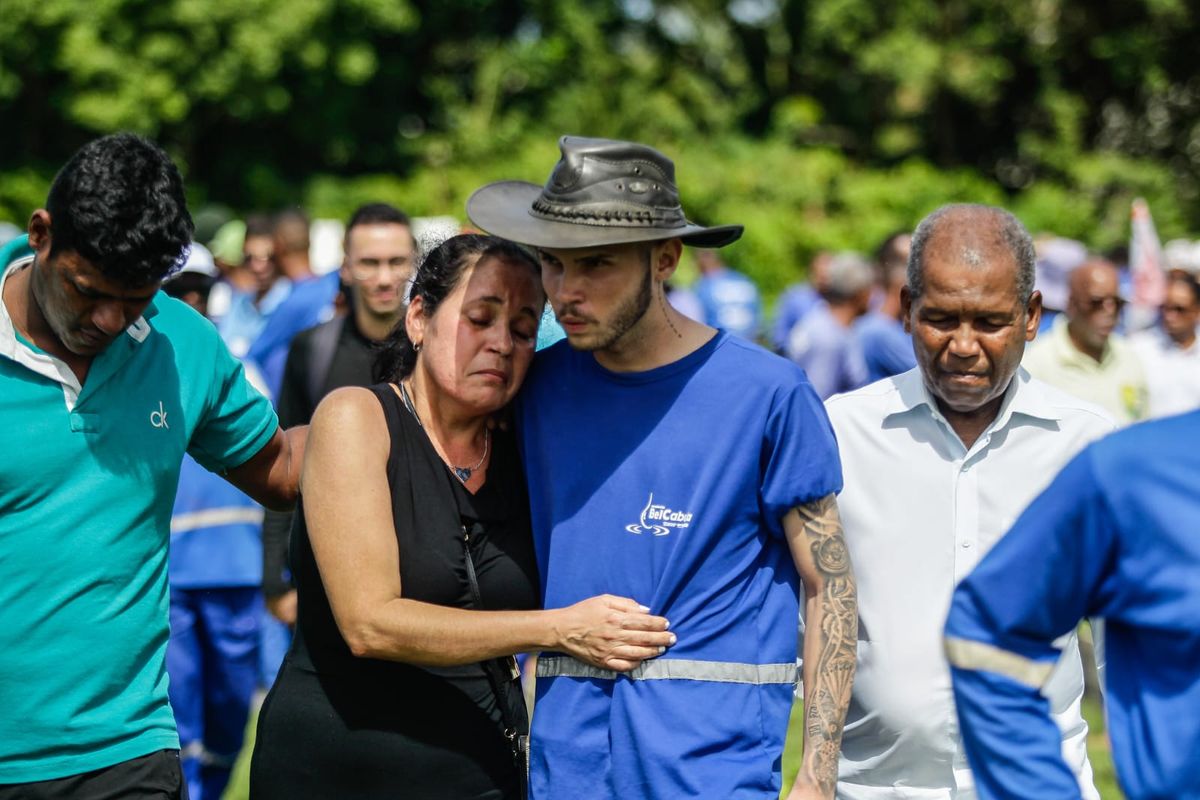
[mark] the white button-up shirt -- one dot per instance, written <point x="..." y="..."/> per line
<point x="920" y="510"/>
<point x="1172" y="372"/>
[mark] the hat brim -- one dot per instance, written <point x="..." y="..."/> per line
<point x="503" y="209"/>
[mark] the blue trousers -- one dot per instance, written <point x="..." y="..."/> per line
<point x="213" y="666"/>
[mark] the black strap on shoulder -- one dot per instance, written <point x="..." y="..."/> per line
<point x="320" y="356"/>
<point x="502" y="674"/>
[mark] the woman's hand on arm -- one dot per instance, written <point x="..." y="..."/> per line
<point x="348" y="511"/>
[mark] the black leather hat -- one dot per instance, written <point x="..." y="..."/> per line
<point x="601" y="192"/>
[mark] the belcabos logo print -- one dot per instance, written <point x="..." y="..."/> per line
<point x="659" y="519"/>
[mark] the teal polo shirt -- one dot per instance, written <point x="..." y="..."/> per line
<point x="87" y="479"/>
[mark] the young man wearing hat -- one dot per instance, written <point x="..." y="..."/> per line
<point x="686" y="468"/>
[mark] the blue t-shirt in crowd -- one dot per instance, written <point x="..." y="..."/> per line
<point x="309" y="303"/>
<point x="1115" y="536"/>
<point x="792" y="306"/>
<point x="886" y="349"/>
<point x="246" y="318"/>
<point x="669" y="486"/>
<point x="828" y="352"/>
<point x="731" y="302"/>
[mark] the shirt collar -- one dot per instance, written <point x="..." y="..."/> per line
<point x="1024" y="397"/>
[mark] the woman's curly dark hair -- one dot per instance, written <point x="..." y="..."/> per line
<point x="119" y="203"/>
<point x="440" y="271"/>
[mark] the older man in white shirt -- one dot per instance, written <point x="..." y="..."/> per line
<point x="938" y="462"/>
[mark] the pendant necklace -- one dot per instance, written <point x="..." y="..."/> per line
<point x="462" y="473"/>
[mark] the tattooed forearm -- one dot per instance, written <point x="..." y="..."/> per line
<point x="830" y="640"/>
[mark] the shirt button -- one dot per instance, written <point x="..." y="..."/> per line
<point x="966" y="545"/>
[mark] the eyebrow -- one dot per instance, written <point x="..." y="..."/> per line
<point x="595" y="258"/>
<point x="91" y="291"/>
<point x="492" y="299"/>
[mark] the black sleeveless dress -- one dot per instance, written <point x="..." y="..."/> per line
<point x="337" y="726"/>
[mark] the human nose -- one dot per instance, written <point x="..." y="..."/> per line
<point x="501" y="340"/>
<point x="963" y="343"/>
<point x="571" y="285"/>
<point x="109" y="316"/>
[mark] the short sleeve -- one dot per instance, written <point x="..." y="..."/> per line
<point x="799" y="460"/>
<point x="237" y="420"/>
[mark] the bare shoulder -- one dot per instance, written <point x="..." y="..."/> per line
<point x="348" y="404"/>
<point x="351" y="418"/>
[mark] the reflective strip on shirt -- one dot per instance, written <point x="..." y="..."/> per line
<point x="967" y="654"/>
<point x="212" y="517"/>
<point x="673" y="669"/>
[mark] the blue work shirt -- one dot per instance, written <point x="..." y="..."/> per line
<point x="216" y="533"/>
<point x="1115" y="536"/>
<point x="669" y="486"/>
<point x="731" y="302"/>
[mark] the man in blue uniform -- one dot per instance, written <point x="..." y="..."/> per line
<point x="685" y="467"/>
<point x="730" y="300"/>
<point x="105" y="383"/>
<point x="1114" y="536"/>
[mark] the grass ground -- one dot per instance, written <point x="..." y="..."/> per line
<point x="1098" y="751"/>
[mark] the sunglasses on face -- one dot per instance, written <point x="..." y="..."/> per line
<point x="1108" y="303"/>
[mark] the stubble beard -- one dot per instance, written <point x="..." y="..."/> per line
<point x="627" y="315"/>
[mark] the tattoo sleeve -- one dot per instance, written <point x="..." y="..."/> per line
<point x="830" y="638"/>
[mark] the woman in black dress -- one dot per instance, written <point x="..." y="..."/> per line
<point x="414" y="562"/>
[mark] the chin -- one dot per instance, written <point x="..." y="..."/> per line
<point x="584" y="341"/>
<point x="964" y="402"/>
<point x="490" y="399"/>
<point x="384" y="309"/>
<point x="82" y="348"/>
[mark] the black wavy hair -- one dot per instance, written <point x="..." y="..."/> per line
<point x="119" y="204"/>
<point x="437" y="276"/>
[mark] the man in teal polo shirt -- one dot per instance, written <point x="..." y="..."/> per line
<point x="105" y="383"/>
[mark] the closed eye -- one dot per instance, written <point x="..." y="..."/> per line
<point x="942" y="323"/>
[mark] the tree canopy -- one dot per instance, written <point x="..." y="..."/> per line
<point x="826" y="123"/>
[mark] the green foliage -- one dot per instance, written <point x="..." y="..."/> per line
<point x="821" y="124"/>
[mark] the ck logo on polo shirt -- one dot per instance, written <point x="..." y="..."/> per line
<point x="658" y="519"/>
<point x="158" y="417"/>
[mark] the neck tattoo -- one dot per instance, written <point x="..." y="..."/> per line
<point x="662" y="299"/>
<point x="462" y="473"/>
